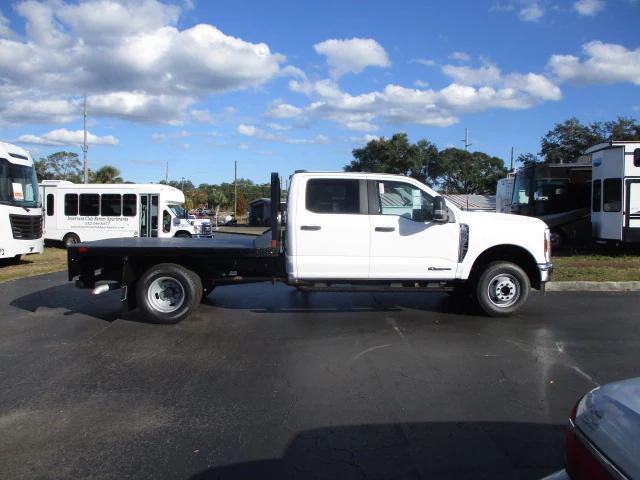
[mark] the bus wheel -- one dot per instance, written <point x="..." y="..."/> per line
<point x="70" y="239"/>
<point x="168" y="293"/>
<point x="182" y="235"/>
<point x="558" y="240"/>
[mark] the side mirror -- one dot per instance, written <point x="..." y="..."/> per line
<point x="440" y="211"/>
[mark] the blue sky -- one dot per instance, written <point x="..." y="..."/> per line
<point x="286" y="85"/>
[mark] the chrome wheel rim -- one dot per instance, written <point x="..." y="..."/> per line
<point x="504" y="290"/>
<point x="166" y="294"/>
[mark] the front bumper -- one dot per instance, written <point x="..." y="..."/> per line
<point x="546" y="271"/>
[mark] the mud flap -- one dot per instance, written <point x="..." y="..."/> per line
<point x="128" y="296"/>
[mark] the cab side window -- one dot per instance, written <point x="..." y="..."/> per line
<point x="326" y="195"/>
<point x="404" y="200"/>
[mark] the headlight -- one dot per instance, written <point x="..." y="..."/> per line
<point x="547" y="245"/>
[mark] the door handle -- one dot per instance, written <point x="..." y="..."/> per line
<point x="385" y="229"/>
<point x="310" y="227"/>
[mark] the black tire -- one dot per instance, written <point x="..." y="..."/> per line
<point x="501" y="289"/>
<point x="70" y="239"/>
<point x="182" y="290"/>
<point x="558" y="240"/>
<point x="182" y="235"/>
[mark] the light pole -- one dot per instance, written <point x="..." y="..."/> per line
<point x="235" y="189"/>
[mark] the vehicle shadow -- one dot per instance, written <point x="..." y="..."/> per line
<point x="447" y="450"/>
<point x="265" y="298"/>
<point x="66" y="296"/>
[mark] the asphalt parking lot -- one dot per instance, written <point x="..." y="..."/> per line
<point x="268" y="382"/>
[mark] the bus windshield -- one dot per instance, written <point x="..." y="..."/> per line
<point x="522" y="187"/>
<point x="18" y="184"/>
<point x="178" y="211"/>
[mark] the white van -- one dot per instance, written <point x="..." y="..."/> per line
<point x="615" y="192"/>
<point x="85" y="212"/>
<point x="20" y="209"/>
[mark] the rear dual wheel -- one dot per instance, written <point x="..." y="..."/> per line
<point x="168" y="293"/>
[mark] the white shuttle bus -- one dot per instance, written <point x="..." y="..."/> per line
<point x="20" y="207"/>
<point x="85" y="212"/>
<point x="615" y="192"/>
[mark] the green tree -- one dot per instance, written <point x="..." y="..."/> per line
<point x="396" y="155"/>
<point x="42" y="170"/>
<point x="106" y="174"/>
<point x="569" y="139"/>
<point x="465" y="172"/>
<point x="64" y="166"/>
<point x="528" y="159"/>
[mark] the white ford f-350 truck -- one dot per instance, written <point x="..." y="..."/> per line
<point x="338" y="232"/>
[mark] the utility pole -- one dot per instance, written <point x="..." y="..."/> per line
<point x="85" y="147"/>
<point x="235" y="188"/>
<point x="511" y="168"/>
<point x="465" y="141"/>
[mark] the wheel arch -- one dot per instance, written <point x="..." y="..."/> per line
<point x="182" y="233"/>
<point x="508" y="253"/>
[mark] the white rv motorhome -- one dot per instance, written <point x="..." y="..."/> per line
<point x="20" y="207"/>
<point x="85" y="212"/>
<point x="615" y="192"/>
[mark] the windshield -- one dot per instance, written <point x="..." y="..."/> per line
<point x="178" y="211"/>
<point x="18" y="184"/>
<point x="522" y="187"/>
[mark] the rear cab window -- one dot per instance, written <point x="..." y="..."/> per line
<point x="333" y="195"/>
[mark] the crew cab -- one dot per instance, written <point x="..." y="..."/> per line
<point x="342" y="232"/>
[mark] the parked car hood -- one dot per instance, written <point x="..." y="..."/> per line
<point x="610" y="418"/>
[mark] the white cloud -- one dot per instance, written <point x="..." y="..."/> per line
<point x="277" y="126"/>
<point x="531" y="13"/>
<point x="131" y="57"/>
<point x="283" y="110"/>
<point x="424" y="61"/>
<point x="317" y="140"/>
<point x="352" y="55"/>
<point x="588" y="8"/>
<point x="604" y="63"/>
<point x="421" y="84"/>
<point x="460" y="56"/>
<point x="473" y="90"/>
<point x="5" y="30"/>
<point x="63" y="136"/>
<point x="487" y="74"/>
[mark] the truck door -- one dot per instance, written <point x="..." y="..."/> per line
<point x="405" y="243"/>
<point x="632" y="209"/>
<point x="332" y="229"/>
<point x="148" y="215"/>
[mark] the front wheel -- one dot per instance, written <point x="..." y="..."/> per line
<point x="168" y="293"/>
<point x="502" y="289"/>
<point x="70" y="239"/>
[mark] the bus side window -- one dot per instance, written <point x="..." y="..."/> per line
<point x="129" y="205"/>
<point x="111" y="204"/>
<point x="49" y="204"/>
<point x="89" y="204"/>
<point x="636" y="157"/>
<point x="71" y="204"/>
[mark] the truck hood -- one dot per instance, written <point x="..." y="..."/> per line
<point x="489" y="218"/>
<point x="610" y="418"/>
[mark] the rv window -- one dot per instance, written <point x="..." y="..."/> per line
<point x="71" y="204"/>
<point x="89" y="204"/>
<point x="612" y="195"/>
<point x="49" y="204"/>
<point x="636" y="157"/>
<point x="129" y="205"/>
<point x="111" y="204"/>
<point x="333" y="196"/>
<point x="597" y="195"/>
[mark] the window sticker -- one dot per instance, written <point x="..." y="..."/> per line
<point x="17" y="191"/>
<point x="381" y="187"/>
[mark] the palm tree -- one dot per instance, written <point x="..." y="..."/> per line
<point x="107" y="174"/>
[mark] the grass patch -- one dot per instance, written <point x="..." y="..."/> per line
<point x="51" y="260"/>
<point x="597" y="268"/>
